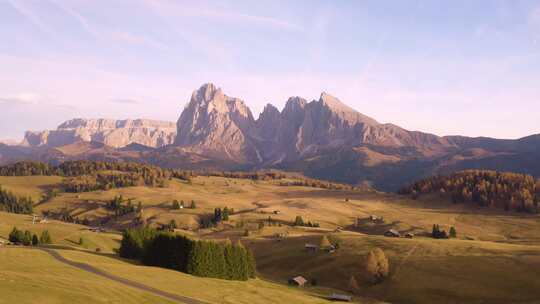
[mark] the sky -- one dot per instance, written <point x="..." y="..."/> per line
<point x="444" y="67"/>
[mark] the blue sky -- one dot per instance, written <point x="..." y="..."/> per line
<point x="445" y="67"/>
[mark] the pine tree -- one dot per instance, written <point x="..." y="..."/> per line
<point x="193" y="205"/>
<point x="35" y="240"/>
<point x="225" y="215"/>
<point x="16" y="235"/>
<point x="452" y="232"/>
<point x="27" y="238"/>
<point x="175" y="205"/>
<point x="45" y="237"/>
<point x="298" y="221"/>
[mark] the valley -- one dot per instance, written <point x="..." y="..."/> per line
<point x="472" y="267"/>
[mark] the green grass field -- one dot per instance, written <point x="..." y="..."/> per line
<point x="495" y="258"/>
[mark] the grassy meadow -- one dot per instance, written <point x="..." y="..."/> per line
<point x="494" y="259"/>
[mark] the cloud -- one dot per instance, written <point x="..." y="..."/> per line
<point x="21" y="99"/>
<point x="135" y="39"/>
<point x="31" y="16"/>
<point x="125" y="101"/>
<point x="81" y="19"/>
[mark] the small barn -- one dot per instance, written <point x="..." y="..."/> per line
<point x="339" y="297"/>
<point x="392" y="233"/>
<point x="299" y="281"/>
<point x="311" y="247"/>
<point x="409" y="235"/>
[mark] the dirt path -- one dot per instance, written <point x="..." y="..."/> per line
<point x="129" y="283"/>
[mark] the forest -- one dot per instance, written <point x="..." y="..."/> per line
<point x="9" y="202"/>
<point x="504" y="190"/>
<point x="197" y="257"/>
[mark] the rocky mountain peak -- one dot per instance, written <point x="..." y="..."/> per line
<point x="343" y="111"/>
<point x="111" y="132"/>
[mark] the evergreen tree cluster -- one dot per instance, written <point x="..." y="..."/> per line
<point x="219" y="215"/>
<point x="9" y="202"/>
<point x="26" y="237"/>
<point x="200" y="258"/>
<point x="299" y="221"/>
<point x="509" y="191"/>
<point x="437" y="233"/>
<point x="117" y="205"/>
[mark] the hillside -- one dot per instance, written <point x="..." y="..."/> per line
<point x="503" y="190"/>
<point x="490" y="243"/>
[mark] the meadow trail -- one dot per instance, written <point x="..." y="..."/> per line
<point x="139" y="286"/>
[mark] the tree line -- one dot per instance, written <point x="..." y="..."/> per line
<point x="144" y="174"/>
<point x="508" y="191"/>
<point x="197" y="257"/>
<point x="9" y="202"/>
<point x="26" y="237"/>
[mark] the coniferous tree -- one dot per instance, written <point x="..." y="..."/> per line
<point x="27" y="238"/>
<point x="452" y="233"/>
<point x="45" y="237"/>
<point x="35" y="240"/>
<point x="298" y="221"/>
<point x="16" y="235"/>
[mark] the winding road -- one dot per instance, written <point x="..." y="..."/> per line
<point x="136" y="285"/>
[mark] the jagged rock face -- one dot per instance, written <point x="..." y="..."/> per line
<point x="221" y="126"/>
<point x="114" y="133"/>
<point x="216" y="124"/>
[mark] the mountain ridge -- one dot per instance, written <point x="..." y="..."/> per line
<point x="323" y="138"/>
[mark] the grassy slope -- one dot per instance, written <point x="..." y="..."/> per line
<point x="423" y="270"/>
<point x="62" y="233"/>
<point x="211" y="290"/>
<point x="32" y="276"/>
<point x="32" y="186"/>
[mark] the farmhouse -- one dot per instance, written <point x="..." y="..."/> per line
<point x="311" y="247"/>
<point x="299" y="281"/>
<point x="340" y="297"/>
<point x="409" y="235"/>
<point x="392" y="233"/>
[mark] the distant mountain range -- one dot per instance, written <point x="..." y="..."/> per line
<point x="323" y="138"/>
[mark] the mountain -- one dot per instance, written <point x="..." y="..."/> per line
<point x="114" y="133"/>
<point x="217" y="125"/>
<point x="322" y="138"/>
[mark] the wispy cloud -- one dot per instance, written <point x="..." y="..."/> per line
<point x="134" y="39"/>
<point x="31" y="16"/>
<point x="85" y="24"/>
<point x="21" y="99"/>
